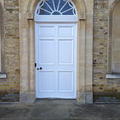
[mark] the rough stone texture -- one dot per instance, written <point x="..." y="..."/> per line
<point x="59" y="110"/>
<point x="9" y="88"/>
<point x="100" y="44"/>
<point x="102" y="86"/>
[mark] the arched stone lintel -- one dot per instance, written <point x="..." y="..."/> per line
<point x="112" y="4"/>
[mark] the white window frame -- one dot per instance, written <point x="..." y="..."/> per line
<point x="55" y="18"/>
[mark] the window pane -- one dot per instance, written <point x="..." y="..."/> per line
<point x="70" y="12"/>
<point x="66" y="7"/>
<point x="56" y="7"/>
<point x="42" y="12"/>
<point x="50" y="3"/>
<point x="45" y="6"/>
<point x="56" y="3"/>
<point x="61" y="4"/>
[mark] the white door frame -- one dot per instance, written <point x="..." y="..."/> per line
<point x="75" y="51"/>
<point x="56" y="19"/>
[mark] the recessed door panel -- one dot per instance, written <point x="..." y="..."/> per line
<point x="65" y="52"/>
<point x="65" y="31"/>
<point x="46" y="31"/>
<point x="47" y="81"/>
<point x="66" y="81"/>
<point x="47" y="52"/>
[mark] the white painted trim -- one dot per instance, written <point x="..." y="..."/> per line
<point x="112" y="76"/>
<point x="56" y="18"/>
<point x="3" y="76"/>
<point x="75" y="58"/>
<point x="36" y="58"/>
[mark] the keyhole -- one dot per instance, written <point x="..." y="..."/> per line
<point x="40" y="68"/>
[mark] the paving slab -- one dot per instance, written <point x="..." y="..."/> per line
<point x="59" y="110"/>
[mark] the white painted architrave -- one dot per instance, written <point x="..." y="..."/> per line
<point x="55" y="21"/>
<point x="56" y="18"/>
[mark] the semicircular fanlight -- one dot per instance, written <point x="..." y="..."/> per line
<point x="56" y="7"/>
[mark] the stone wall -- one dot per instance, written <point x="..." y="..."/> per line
<point x="9" y="88"/>
<point x="102" y="87"/>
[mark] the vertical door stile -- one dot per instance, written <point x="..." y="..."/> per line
<point x="56" y="32"/>
<point x="36" y="54"/>
<point x="57" y="57"/>
<point x="75" y="59"/>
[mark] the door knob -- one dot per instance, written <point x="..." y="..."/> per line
<point x="40" y="68"/>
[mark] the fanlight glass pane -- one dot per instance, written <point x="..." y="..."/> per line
<point x="56" y="7"/>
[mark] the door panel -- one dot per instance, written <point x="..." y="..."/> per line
<point x="65" y="52"/>
<point x="47" y="81"/>
<point x="66" y="81"/>
<point x="56" y="56"/>
<point x="46" y="31"/>
<point x="65" y="31"/>
<point x="47" y="52"/>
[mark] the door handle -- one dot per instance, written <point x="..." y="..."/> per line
<point x="39" y="68"/>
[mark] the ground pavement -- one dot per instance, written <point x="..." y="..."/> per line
<point x="59" y="110"/>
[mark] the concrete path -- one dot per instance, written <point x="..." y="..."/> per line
<point x="59" y="110"/>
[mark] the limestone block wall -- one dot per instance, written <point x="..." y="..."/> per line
<point x="102" y="87"/>
<point x="9" y="87"/>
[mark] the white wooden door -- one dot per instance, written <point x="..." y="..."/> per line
<point x="56" y="60"/>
